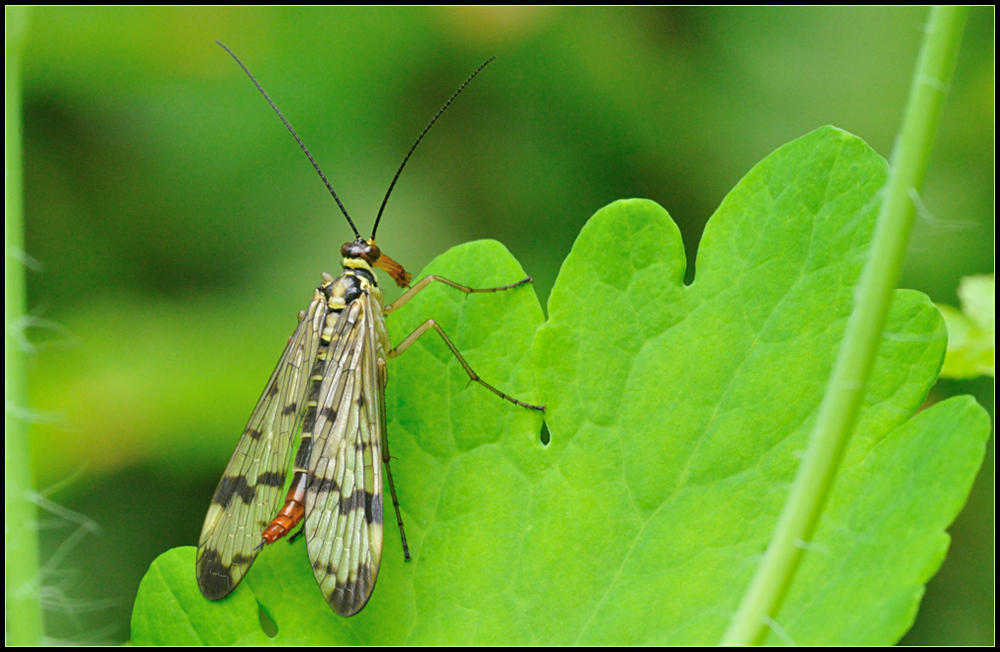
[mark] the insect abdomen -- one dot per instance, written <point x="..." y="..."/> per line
<point x="291" y="513"/>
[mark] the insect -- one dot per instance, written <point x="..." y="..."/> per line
<point x="329" y="385"/>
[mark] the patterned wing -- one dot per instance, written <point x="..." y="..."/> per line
<point x="344" y="492"/>
<point x="250" y="491"/>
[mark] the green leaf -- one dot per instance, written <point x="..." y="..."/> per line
<point x="676" y="415"/>
<point x="683" y="409"/>
<point x="971" y="332"/>
<point x="169" y="609"/>
<point x="978" y="297"/>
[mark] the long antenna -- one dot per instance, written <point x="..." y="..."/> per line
<point x="419" y="138"/>
<point x="302" y="145"/>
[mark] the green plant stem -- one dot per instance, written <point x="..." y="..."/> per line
<point x="23" y="605"/>
<point x="846" y="388"/>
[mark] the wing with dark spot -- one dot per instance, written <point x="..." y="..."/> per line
<point x="344" y="494"/>
<point x="250" y="491"/>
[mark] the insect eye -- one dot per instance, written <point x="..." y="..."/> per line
<point x="358" y="249"/>
<point x="372" y="252"/>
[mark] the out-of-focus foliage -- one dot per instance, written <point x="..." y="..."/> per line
<point x="177" y="229"/>
<point x="971" y="330"/>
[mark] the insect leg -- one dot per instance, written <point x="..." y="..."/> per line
<point x="473" y="376"/>
<point x="395" y="501"/>
<point x="298" y="533"/>
<point x="383" y="376"/>
<point x="427" y="280"/>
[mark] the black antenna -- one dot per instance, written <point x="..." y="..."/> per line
<point x="419" y="138"/>
<point x="299" y="141"/>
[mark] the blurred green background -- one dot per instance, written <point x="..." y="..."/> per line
<point x="176" y="229"/>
